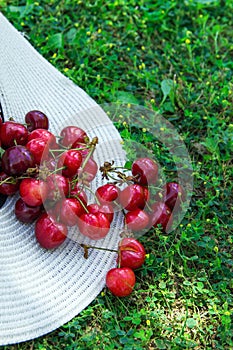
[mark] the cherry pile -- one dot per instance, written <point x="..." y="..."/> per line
<point x="52" y="175"/>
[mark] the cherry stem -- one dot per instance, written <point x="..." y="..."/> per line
<point x="148" y="207"/>
<point x="8" y="180"/>
<point x="82" y="204"/>
<point x="56" y="170"/>
<point x="93" y="193"/>
<point x="98" y="248"/>
<point x="92" y="147"/>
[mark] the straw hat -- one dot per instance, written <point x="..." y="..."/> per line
<point x="41" y="290"/>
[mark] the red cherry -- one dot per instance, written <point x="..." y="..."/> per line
<point x="8" y="188"/>
<point x="120" y="281"/>
<point x="36" y="120"/>
<point x="132" y="197"/>
<point x="39" y="149"/>
<point x="12" y="133"/>
<point x="33" y="192"/>
<point x="25" y="213"/>
<point x="94" y="226"/>
<point x="69" y="210"/>
<point x="58" y="186"/>
<point x="107" y="193"/>
<point x="137" y="220"/>
<point x="50" y="233"/>
<point x="161" y="215"/>
<point x="106" y="208"/>
<point x="146" y="171"/>
<point x="71" y="135"/>
<point x="82" y="148"/>
<point x="45" y="135"/>
<point x="88" y="173"/>
<point x="173" y="194"/>
<point x="146" y="193"/>
<point x="16" y="160"/>
<point x="131" y="253"/>
<point x="71" y="160"/>
<point x="79" y="193"/>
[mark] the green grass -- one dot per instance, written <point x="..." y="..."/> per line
<point x="123" y="51"/>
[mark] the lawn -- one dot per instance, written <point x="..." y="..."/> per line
<point x="172" y="57"/>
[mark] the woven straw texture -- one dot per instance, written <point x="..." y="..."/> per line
<point x="41" y="290"/>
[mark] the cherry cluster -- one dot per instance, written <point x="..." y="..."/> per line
<point x="52" y="175"/>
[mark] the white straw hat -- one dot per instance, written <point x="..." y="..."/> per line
<point x="41" y="290"/>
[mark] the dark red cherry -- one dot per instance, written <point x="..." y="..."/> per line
<point x="10" y="187"/>
<point x="36" y="120"/>
<point x="16" y="160"/>
<point x="71" y="135"/>
<point x="173" y="194"/>
<point x="25" y="213"/>
<point x="161" y="215"/>
<point x="145" y="170"/>
<point x="12" y="133"/>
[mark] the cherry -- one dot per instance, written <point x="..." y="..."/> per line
<point x="71" y="135"/>
<point x="137" y="220"/>
<point x="161" y="215"/>
<point x="45" y="135"/>
<point x="94" y="226"/>
<point x="120" y="281"/>
<point x="131" y="253"/>
<point x="36" y="120"/>
<point x="145" y="170"/>
<point x="105" y="208"/>
<point x="39" y="149"/>
<point x="58" y="187"/>
<point x="68" y="210"/>
<point x="10" y="187"/>
<point x="12" y="133"/>
<point x="132" y="197"/>
<point x="82" y="148"/>
<point x="78" y="193"/>
<point x="33" y="192"/>
<point x="89" y="171"/>
<point x="16" y="160"/>
<point x="71" y="160"/>
<point x="25" y="213"/>
<point x="146" y="193"/>
<point x="107" y="193"/>
<point x="173" y="194"/>
<point x="50" y="233"/>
